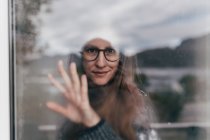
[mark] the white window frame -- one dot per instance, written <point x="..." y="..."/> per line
<point x="4" y="71"/>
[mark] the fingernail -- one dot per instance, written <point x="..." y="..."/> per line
<point x="73" y="65"/>
<point x="48" y="104"/>
<point x="49" y="75"/>
<point x="60" y="62"/>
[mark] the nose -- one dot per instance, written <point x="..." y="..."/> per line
<point x="101" y="61"/>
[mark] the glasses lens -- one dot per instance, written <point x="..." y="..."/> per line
<point x="111" y="54"/>
<point x="90" y="53"/>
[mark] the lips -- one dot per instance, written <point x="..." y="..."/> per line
<point x="100" y="73"/>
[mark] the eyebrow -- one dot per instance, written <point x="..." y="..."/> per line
<point x="96" y="47"/>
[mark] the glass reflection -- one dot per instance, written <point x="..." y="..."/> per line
<point x="170" y="53"/>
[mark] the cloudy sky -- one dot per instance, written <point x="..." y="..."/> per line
<point x="134" y="25"/>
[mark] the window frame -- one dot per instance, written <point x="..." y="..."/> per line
<point x="6" y="72"/>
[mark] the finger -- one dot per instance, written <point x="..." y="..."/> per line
<point x="84" y="88"/>
<point x="64" y="75"/>
<point x="74" y="75"/>
<point x="75" y="81"/>
<point x="57" y="84"/>
<point x="57" y="108"/>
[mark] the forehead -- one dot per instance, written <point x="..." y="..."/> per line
<point x="99" y="43"/>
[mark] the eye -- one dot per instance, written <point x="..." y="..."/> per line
<point x="110" y="51"/>
<point x="91" y="50"/>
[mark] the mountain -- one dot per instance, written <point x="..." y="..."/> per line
<point x="190" y="53"/>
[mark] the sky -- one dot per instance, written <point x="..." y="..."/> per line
<point x="133" y="26"/>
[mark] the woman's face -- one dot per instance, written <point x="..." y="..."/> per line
<point x="98" y="69"/>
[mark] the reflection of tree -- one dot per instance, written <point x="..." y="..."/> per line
<point x="25" y="29"/>
<point x="142" y="81"/>
<point x="190" y="85"/>
<point x="168" y="105"/>
<point x="25" y="35"/>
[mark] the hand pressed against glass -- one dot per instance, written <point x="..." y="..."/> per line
<point x="75" y="91"/>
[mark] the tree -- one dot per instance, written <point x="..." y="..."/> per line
<point x="168" y="105"/>
<point x="142" y="81"/>
<point x="25" y="29"/>
<point x="190" y="85"/>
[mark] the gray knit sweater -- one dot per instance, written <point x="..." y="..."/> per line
<point x="103" y="131"/>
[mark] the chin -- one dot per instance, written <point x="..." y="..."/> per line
<point x="100" y="82"/>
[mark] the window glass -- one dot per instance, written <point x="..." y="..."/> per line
<point x="166" y="43"/>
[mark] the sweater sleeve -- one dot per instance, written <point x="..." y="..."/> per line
<point x="101" y="131"/>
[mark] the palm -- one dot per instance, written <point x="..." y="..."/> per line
<point x="75" y="91"/>
<point x="74" y="114"/>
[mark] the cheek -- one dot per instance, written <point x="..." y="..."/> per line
<point x="114" y="66"/>
<point x="114" y="69"/>
<point x="87" y="68"/>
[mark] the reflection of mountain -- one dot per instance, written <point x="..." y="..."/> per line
<point x="190" y="53"/>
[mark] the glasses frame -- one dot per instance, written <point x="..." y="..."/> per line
<point x="100" y="50"/>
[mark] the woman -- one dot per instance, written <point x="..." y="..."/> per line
<point x="105" y="103"/>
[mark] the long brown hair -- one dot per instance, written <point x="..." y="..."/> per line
<point x="123" y="101"/>
<point x="120" y="102"/>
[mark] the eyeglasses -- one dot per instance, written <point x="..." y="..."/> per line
<point x="91" y="53"/>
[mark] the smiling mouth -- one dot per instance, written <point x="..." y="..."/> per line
<point x="100" y="73"/>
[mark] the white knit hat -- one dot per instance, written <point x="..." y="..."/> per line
<point x="106" y="34"/>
